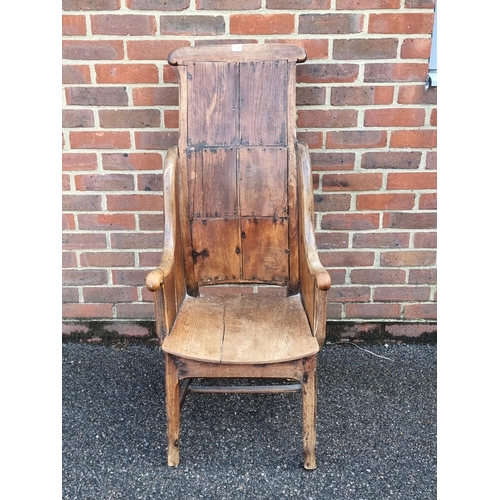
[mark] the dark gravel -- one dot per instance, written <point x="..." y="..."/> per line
<point x="376" y="430"/>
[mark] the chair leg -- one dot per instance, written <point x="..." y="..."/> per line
<point x="309" y="412"/>
<point x="173" y="410"/>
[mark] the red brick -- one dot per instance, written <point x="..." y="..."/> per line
<point x="381" y="240"/>
<point x="130" y="277"/>
<point x="75" y="73"/>
<point x="367" y="4"/>
<point x="139" y="311"/>
<point x="433" y="119"/>
<point x="347" y="259"/>
<point x="92" y="49"/>
<point x="66" y="182"/>
<point x="394" y="117"/>
<point x="104" y="182"/>
<point x="407" y="258"/>
<point x="79" y="277"/>
<point x="74" y="25"/>
<point x="129" y="118"/>
<point x="385" y="201"/>
<point x="315" y="49"/>
<point x="332" y="202"/>
<point x="327" y="24"/>
<point x="99" y="140"/>
<point x="227" y="4"/>
<point x="87" y="311"/>
<point x="329" y="241"/>
<point x="356" y="139"/>
<point x="411" y="220"/>
<point x="155" y="96"/>
<point x="109" y="294"/>
<point x="410" y="330"/>
<point x="417" y="94"/>
<point x="151" y="222"/>
<point x="425" y="240"/>
<point x="74" y="118"/>
<point x="81" y="203"/>
<point x="349" y="294"/>
<point x="123" y="24"/>
<point x="107" y="259"/>
<point x="150" y="182"/>
<point x="416" y="48"/>
<point x="373" y="311"/>
<point x="431" y="160"/>
<point x="128" y="330"/>
<point x="83" y="241"/>
<point x="96" y="96"/>
<point x="401" y="294"/>
<point x="332" y="161"/>
<point x="420" y="4"/>
<point x="368" y="48"/>
<point x="106" y="222"/>
<point x="68" y="222"/>
<point x="378" y="276"/>
<point x="68" y="259"/>
<point x="334" y="310"/>
<point x="351" y="221"/>
<point x="422" y="276"/>
<point x="414" y="139"/>
<point x="90" y="4"/>
<point x="192" y="25"/>
<point x="352" y="182"/>
<point x="309" y="96"/>
<point x="391" y="159"/>
<point x="261" y="24"/>
<point x="298" y="4"/>
<point x="313" y="139"/>
<point x="79" y="161"/>
<point x="170" y="74"/>
<point x="413" y="180"/>
<point x="126" y="73"/>
<point x="69" y="295"/>
<point x="153" y="49"/>
<point x="171" y="118"/>
<point x="420" y="311"/>
<point x="326" y="118"/>
<point x="356" y="96"/>
<point x="156" y="140"/>
<point x="134" y="202"/>
<point x="162" y="5"/>
<point x="395" y="72"/>
<point x="401" y="23"/>
<point x="428" y="201"/>
<point x="131" y="161"/>
<point x="327" y="73"/>
<point x="149" y="259"/>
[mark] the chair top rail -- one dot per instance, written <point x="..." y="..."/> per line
<point x="237" y="52"/>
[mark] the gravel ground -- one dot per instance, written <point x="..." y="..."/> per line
<point x="376" y="430"/>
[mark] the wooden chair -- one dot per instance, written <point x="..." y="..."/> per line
<point x="238" y="203"/>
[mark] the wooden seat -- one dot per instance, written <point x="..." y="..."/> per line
<point x="239" y="210"/>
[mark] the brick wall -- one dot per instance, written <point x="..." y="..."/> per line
<point x="362" y="108"/>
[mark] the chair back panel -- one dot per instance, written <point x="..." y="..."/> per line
<point x="237" y="140"/>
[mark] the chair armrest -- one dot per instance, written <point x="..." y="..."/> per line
<point x="321" y="276"/>
<point x="156" y="277"/>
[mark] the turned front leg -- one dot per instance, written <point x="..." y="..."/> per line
<point x="309" y="412"/>
<point x="173" y="410"/>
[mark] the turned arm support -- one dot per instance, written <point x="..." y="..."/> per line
<point x="314" y="280"/>
<point x="156" y="277"/>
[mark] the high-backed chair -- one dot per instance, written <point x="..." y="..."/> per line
<point x="238" y="203"/>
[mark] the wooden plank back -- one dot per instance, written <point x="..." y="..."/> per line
<point x="237" y="160"/>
